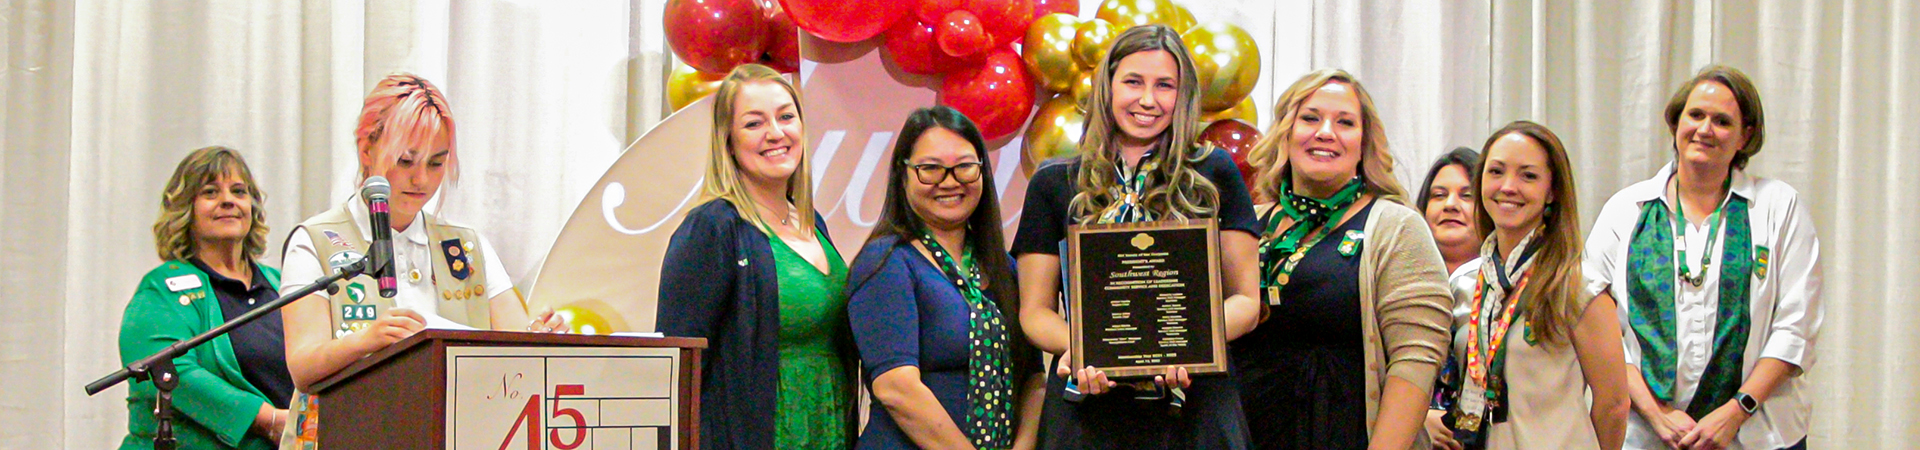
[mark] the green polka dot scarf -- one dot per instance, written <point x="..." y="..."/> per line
<point x="989" y="415"/>
<point x="1651" y="282"/>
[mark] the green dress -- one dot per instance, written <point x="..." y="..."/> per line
<point x="814" y="400"/>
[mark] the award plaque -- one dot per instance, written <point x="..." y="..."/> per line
<point x="1144" y="297"/>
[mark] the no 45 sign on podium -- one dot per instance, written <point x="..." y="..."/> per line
<point x="525" y="398"/>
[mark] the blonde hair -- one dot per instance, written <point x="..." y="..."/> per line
<point x="173" y="230"/>
<point x="1550" y="299"/>
<point x="1269" y="156"/>
<point x="403" y="112"/>
<point x="723" y="172"/>
<point x="1174" y="189"/>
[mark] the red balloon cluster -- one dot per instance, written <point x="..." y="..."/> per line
<point x="1237" y="138"/>
<point x="967" y="42"/>
<point x="713" y="36"/>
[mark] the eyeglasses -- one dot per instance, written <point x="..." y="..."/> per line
<point x="931" y="174"/>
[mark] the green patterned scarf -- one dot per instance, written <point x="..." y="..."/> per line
<point x="1283" y="251"/>
<point x="989" y="421"/>
<point x="1651" y="291"/>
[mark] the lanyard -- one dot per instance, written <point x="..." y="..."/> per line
<point x="1477" y="362"/>
<point x="1713" y="234"/>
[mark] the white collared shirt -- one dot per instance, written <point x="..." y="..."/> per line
<point x="412" y="266"/>
<point x="1784" y="300"/>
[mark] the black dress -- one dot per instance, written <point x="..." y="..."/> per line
<point x="1302" y="373"/>
<point x="1211" y="417"/>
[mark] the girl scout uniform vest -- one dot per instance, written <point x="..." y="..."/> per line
<point x="458" y="275"/>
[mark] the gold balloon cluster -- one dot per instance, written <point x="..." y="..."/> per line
<point x="686" y="84"/>
<point x="1061" y="51"/>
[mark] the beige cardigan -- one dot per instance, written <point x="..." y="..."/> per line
<point x="1405" y="304"/>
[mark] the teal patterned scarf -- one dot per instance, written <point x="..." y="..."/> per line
<point x="1651" y="287"/>
<point x="989" y="414"/>
<point x="1129" y="191"/>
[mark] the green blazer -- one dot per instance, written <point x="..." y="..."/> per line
<point x="214" y="404"/>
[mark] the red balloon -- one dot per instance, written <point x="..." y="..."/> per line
<point x="845" y="20"/>
<point x="783" y="39"/>
<point x="932" y="11"/>
<point x="1041" y="8"/>
<point x="1006" y="20"/>
<point x="961" y="34"/>
<point x="1237" y="138"/>
<point x="715" y="35"/>
<point x="911" y="45"/>
<point x="997" y="95"/>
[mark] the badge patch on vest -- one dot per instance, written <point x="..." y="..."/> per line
<point x="343" y="258"/>
<point x="336" y="240"/>
<point x="456" y="258"/>
<point x="357" y="313"/>
<point x="357" y="292"/>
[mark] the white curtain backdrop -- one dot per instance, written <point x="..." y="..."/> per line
<point x="104" y="97"/>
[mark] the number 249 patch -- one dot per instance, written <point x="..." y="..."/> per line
<point x="358" y="312"/>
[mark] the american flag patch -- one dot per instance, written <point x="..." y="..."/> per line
<point x="335" y="238"/>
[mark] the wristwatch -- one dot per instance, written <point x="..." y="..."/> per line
<point x="1747" y="403"/>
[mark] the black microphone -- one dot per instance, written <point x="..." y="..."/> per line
<point x="380" y="252"/>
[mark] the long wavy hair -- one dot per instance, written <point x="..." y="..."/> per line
<point x="1174" y="190"/>
<point x="1550" y="298"/>
<point x="897" y="218"/>
<point x="173" y="230"/>
<point x="1269" y="155"/>
<point x="405" y="111"/>
<point x="724" y="181"/>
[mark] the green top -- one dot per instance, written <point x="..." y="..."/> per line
<point x="215" y="403"/>
<point x="813" y="404"/>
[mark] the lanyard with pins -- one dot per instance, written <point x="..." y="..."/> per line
<point x="1478" y="361"/>
<point x="1713" y="234"/>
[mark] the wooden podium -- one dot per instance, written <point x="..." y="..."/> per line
<point x="491" y="390"/>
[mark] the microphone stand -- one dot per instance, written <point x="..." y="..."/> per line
<point x="158" y="368"/>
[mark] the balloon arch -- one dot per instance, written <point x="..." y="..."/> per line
<point x="997" y="59"/>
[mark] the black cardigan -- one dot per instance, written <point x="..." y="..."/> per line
<point x="718" y="282"/>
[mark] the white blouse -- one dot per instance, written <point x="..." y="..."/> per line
<point x="300" y="266"/>
<point x="1784" y="305"/>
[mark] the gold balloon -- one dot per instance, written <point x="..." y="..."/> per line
<point x="685" y="85"/>
<point x="1131" y="13"/>
<point x="1090" y="41"/>
<point x="1048" y="51"/>
<point x="1182" y="19"/>
<point x="1228" y="63"/>
<point x="591" y="317"/>
<point x="1082" y="89"/>
<point x="1054" y="132"/>
<point x="1246" y="111"/>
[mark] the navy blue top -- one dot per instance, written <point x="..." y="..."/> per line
<point x="1212" y="417"/>
<point x="1309" y="352"/>
<point x="260" y="346"/>
<point x="718" y="282"/>
<point x="1048" y="210"/>
<point x="907" y="313"/>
